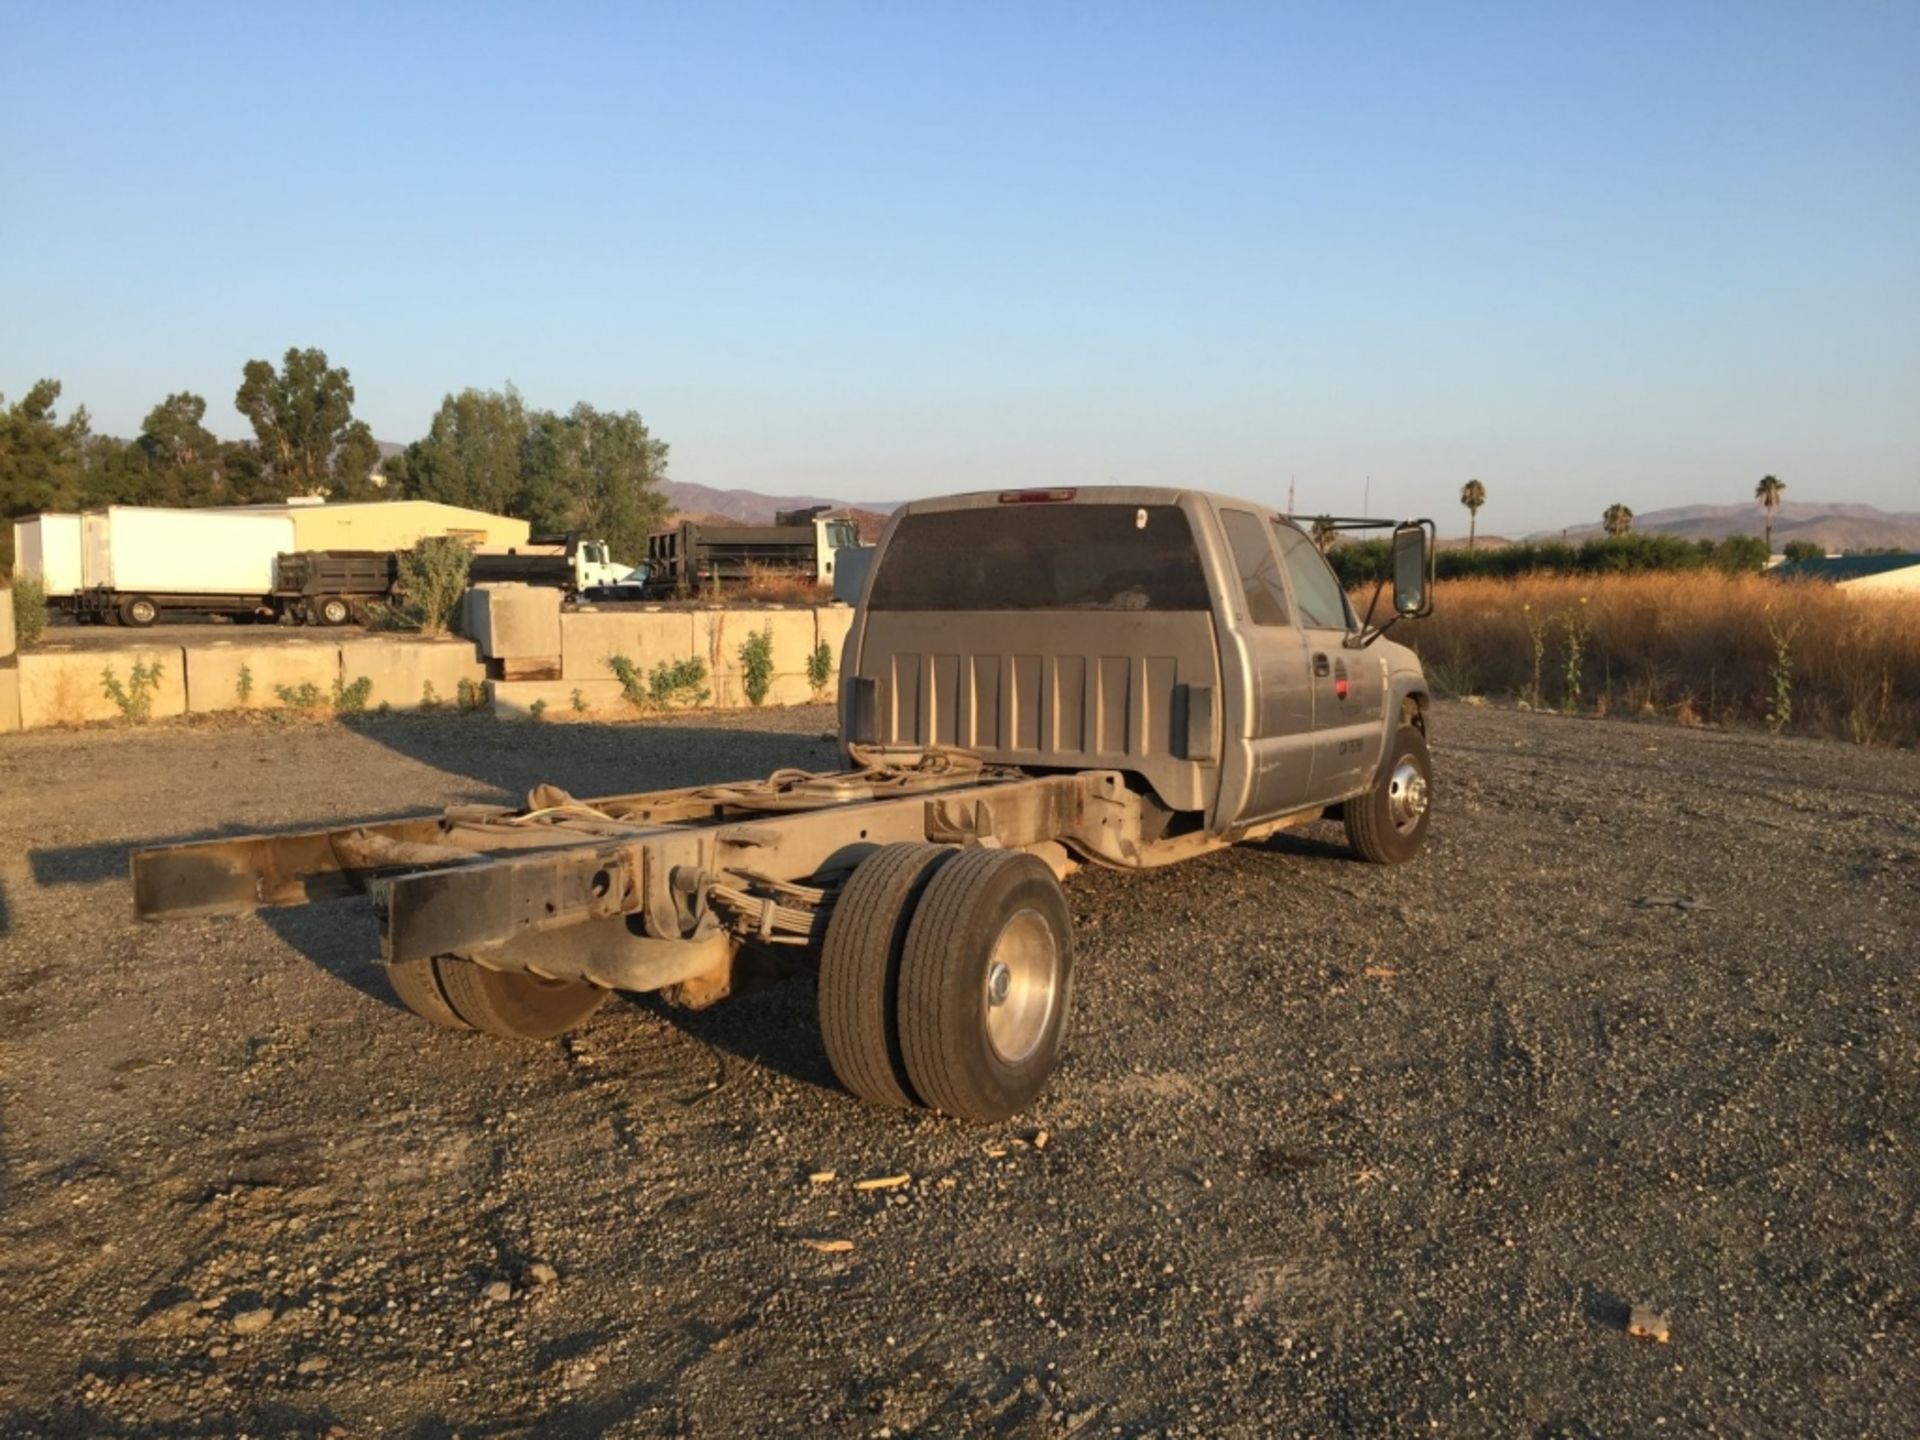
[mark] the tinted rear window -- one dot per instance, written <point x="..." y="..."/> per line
<point x="1043" y="557"/>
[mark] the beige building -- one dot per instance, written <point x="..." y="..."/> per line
<point x="393" y="524"/>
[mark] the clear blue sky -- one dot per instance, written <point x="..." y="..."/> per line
<point x="1585" y="253"/>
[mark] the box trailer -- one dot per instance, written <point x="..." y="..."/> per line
<point x="47" y="548"/>
<point x="138" y="561"/>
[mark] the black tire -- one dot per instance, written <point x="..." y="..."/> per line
<point x="967" y="1053"/>
<point x="1388" y="824"/>
<point x="860" y="970"/>
<point x="139" y="611"/>
<point x="514" y="1004"/>
<point x="418" y="987"/>
<point x="333" y="610"/>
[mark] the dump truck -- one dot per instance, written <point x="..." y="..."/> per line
<point x="332" y="587"/>
<point x="696" y="557"/>
<point x="1033" y="681"/>
<point x="565" y="562"/>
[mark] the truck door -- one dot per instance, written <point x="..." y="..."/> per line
<point x="1349" y="686"/>
<point x="1278" y="723"/>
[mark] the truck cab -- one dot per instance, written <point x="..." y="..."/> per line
<point x="1198" y="644"/>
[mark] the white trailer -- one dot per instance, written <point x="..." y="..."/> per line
<point x="47" y="548"/>
<point x="138" y="561"/>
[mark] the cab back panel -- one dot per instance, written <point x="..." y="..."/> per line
<point x="1077" y="690"/>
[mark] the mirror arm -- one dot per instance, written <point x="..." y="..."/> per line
<point x="1365" y="637"/>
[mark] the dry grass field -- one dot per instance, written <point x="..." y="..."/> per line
<point x="1696" y="647"/>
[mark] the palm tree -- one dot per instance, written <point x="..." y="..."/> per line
<point x="1768" y="492"/>
<point x="1323" y="533"/>
<point x="1618" y="519"/>
<point x="1473" y="495"/>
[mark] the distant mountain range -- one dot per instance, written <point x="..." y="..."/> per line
<point x="1833" y="526"/>
<point x="750" y="507"/>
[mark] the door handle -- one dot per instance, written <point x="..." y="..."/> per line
<point x="1321" y="667"/>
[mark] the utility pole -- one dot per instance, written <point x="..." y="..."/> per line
<point x="1366" y="499"/>
<point x="1289" y="497"/>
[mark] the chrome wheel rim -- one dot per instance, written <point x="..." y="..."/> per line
<point x="1021" y="986"/>
<point x="143" y="611"/>
<point x="1407" y="797"/>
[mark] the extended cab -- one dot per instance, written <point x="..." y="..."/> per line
<point x="1197" y="644"/>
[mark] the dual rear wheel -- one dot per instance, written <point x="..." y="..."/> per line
<point x="946" y="979"/>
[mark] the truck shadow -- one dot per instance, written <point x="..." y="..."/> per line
<point x="594" y="760"/>
<point x="590" y="759"/>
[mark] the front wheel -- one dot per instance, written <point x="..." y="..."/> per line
<point x="334" y="610"/>
<point x="139" y="611"/>
<point x="986" y="984"/>
<point x="1388" y="824"/>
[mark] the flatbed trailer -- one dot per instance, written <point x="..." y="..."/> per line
<point x="1035" y="680"/>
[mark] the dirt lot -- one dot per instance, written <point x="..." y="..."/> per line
<point x="1336" y="1149"/>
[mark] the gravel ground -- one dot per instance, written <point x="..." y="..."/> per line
<point x="1336" y="1149"/>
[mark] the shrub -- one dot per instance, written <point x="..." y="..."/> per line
<point x="352" y="699"/>
<point x="470" y="694"/>
<point x="29" y="609"/>
<point x="134" y="700"/>
<point x="432" y="578"/>
<point x="667" y="685"/>
<point x="756" y="665"/>
<point x="243" y="684"/>
<point x="304" y="696"/>
<point x="820" y="668"/>
<point x="537" y="710"/>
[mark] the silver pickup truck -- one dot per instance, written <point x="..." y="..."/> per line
<point x="1034" y="679"/>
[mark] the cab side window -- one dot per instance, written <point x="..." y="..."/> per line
<point x="1317" y="594"/>
<point x="1266" y="597"/>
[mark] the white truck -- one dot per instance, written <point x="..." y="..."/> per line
<point x="47" y="548"/>
<point x="137" y="561"/>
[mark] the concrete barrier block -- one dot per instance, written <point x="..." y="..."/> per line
<point x="68" y="687"/>
<point x="513" y="621"/>
<point x="9" y="641"/>
<point x="563" y="700"/>
<point x="9" y="700"/>
<point x="719" y="634"/>
<point x="402" y="670"/>
<point x="646" y="637"/>
<point x="233" y="675"/>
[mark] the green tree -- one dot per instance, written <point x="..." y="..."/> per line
<point x="1473" y="495"/>
<point x="473" y="453"/>
<point x="1803" y="550"/>
<point x="1741" y="554"/>
<point x="42" y="457"/>
<point x="1322" y="533"/>
<point x="601" y="469"/>
<point x="302" y="418"/>
<point x="182" y="455"/>
<point x="1768" y="493"/>
<point x="1618" y="519"/>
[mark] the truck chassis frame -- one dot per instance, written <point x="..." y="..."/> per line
<point x="646" y="891"/>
